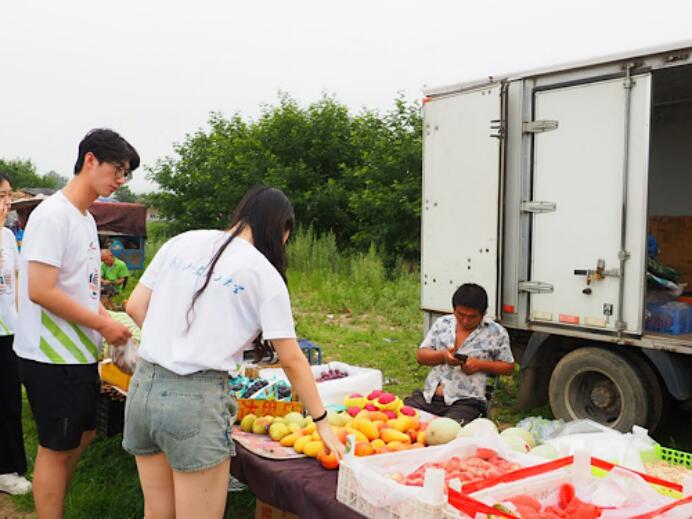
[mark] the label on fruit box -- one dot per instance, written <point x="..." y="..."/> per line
<point x="266" y="407"/>
<point x="264" y="446"/>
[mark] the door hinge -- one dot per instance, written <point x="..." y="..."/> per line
<point x="499" y="125"/>
<point x="535" y="287"/>
<point x="538" y="206"/>
<point x="539" y="126"/>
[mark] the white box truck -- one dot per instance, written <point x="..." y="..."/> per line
<point x="543" y="187"/>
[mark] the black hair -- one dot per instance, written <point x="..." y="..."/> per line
<point x="269" y="214"/>
<point x="471" y="295"/>
<point x="5" y="178"/>
<point x="107" y="146"/>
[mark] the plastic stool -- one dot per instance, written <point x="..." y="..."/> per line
<point x="312" y="351"/>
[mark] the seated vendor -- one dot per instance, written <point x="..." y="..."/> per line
<point x="456" y="388"/>
<point x="114" y="271"/>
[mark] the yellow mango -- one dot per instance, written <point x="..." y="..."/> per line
<point x="363" y="415"/>
<point x="310" y="428"/>
<point x="403" y="423"/>
<point x="289" y="441"/>
<point x="300" y="443"/>
<point x="315" y="436"/>
<point x="368" y="428"/>
<point x="377" y="444"/>
<point x="392" y="435"/>
<point x="378" y="416"/>
<point x="421" y="438"/>
<point x="313" y="448"/>
<point x="360" y="437"/>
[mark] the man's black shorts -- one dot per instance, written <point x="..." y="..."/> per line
<point x="63" y="399"/>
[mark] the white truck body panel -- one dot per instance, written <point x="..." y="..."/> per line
<point x="579" y="167"/>
<point x="461" y="193"/>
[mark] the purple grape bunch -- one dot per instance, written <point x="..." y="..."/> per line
<point x="331" y="374"/>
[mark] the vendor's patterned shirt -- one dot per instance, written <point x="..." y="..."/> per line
<point x="489" y="341"/>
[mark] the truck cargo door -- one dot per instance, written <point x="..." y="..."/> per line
<point x="461" y="191"/>
<point x="578" y="203"/>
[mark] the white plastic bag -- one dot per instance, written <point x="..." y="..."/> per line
<point x="125" y="357"/>
<point x="603" y="442"/>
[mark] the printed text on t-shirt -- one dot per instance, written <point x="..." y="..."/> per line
<point x="181" y="265"/>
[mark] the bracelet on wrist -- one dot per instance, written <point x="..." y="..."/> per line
<point x="320" y="417"/>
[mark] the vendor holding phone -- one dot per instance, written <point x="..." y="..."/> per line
<point x="463" y="349"/>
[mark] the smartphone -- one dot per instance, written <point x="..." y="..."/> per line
<point x="461" y="357"/>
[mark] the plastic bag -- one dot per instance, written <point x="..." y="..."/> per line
<point x="125" y="357"/>
<point x="541" y="428"/>
<point x="605" y="443"/>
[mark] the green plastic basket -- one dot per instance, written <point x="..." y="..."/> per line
<point x="674" y="457"/>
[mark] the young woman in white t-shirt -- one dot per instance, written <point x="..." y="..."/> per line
<point x="12" y="454"/>
<point x="204" y="298"/>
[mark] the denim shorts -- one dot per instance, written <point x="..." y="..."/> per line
<point x="187" y="417"/>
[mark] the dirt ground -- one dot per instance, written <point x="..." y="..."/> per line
<point x="7" y="510"/>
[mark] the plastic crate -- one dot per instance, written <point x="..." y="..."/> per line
<point x="312" y="351"/>
<point x="347" y="493"/>
<point x="673" y="318"/>
<point x="539" y="482"/>
<point x="110" y="416"/>
<point x="674" y="457"/>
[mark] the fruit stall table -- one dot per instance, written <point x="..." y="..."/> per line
<point x="300" y="486"/>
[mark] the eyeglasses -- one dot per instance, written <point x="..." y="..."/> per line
<point x="121" y="172"/>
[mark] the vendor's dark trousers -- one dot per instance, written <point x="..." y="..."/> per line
<point x="463" y="411"/>
<point x="12" y="455"/>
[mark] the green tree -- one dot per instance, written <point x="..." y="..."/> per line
<point x="123" y="194"/>
<point x="388" y="181"/>
<point x="54" y="180"/>
<point x="357" y="176"/>
<point x="22" y="173"/>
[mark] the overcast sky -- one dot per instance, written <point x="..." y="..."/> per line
<point x="154" y="69"/>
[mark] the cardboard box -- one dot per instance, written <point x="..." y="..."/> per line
<point x="266" y="511"/>
<point x="266" y="407"/>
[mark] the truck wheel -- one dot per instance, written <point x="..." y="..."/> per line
<point x="657" y="400"/>
<point x="598" y="384"/>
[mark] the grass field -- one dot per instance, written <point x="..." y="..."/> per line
<point x="352" y="306"/>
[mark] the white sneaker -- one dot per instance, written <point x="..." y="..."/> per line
<point x="14" y="484"/>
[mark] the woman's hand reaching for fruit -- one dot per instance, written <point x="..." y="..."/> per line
<point x="331" y="442"/>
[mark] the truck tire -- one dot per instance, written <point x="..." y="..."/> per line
<point x="657" y="398"/>
<point x="598" y="384"/>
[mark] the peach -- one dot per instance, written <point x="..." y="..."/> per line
<point x="364" y="449"/>
<point x="328" y="461"/>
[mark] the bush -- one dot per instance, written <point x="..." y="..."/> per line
<point x="356" y="177"/>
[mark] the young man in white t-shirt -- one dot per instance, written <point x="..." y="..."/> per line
<point x="61" y="320"/>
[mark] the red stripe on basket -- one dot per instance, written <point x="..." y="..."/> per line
<point x="664" y="509"/>
<point x="517" y="475"/>
<point x="468" y="505"/>
<point x="606" y="465"/>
